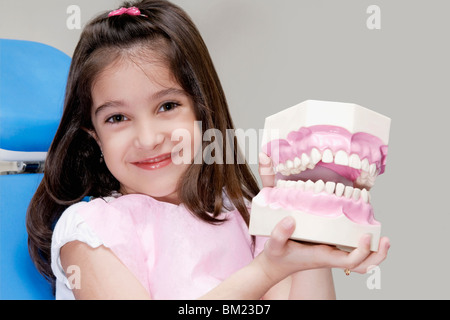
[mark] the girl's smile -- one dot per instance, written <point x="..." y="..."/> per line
<point x="155" y="163"/>
<point x="136" y="108"/>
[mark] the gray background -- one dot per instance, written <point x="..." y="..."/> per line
<point x="271" y="55"/>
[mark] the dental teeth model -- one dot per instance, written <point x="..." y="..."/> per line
<point x="326" y="157"/>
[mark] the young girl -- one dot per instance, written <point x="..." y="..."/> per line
<point x="158" y="228"/>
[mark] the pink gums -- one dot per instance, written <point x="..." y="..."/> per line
<point x="334" y="138"/>
<point x="321" y="204"/>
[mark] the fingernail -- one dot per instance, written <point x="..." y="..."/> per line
<point x="367" y="238"/>
<point x="264" y="158"/>
<point x="288" y="222"/>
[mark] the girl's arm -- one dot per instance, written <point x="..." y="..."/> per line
<point x="101" y="275"/>
<point x="312" y="285"/>
<point x="304" y="285"/>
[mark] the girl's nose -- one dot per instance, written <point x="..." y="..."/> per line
<point x="148" y="136"/>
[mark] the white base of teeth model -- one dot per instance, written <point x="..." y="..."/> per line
<point x="326" y="156"/>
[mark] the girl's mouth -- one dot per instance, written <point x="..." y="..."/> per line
<point x="155" y="163"/>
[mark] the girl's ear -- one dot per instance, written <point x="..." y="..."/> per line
<point x="93" y="134"/>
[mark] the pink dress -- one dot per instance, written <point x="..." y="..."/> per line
<point x="172" y="253"/>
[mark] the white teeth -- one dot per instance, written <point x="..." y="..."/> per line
<point x="309" y="185"/>
<point x="373" y="169"/>
<point x="365" y="195"/>
<point x="365" y="165"/>
<point x="354" y="161"/>
<point x="318" y="186"/>
<point x="289" y="164"/>
<point x="330" y="187"/>
<point x="341" y="158"/>
<point x="340" y="189"/>
<point x="368" y="172"/>
<point x="348" y="192"/>
<point x="356" y="194"/>
<point x="316" y="156"/>
<point x="297" y="162"/>
<point x="280" y="167"/>
<point x="305" y="160"/>
<point x="327" y="156"/>
<point x="281" y="183"/>
<point x="365" y="179"/>
<point x="300" y="185"/>
<point x="290" y="184"/>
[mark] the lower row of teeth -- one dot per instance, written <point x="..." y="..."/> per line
<point x="338" y="189"/>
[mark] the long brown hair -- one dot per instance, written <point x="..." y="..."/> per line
<point x="73" y="169"/>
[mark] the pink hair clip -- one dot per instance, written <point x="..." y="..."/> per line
<point x="132" y="11"/>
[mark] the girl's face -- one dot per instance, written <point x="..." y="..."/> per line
<point x="136" y="108"/>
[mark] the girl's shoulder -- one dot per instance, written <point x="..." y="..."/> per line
<point x="71" y="220"/>
<point x="101" y="213"/>
<point x="99" y="222"/>
<point x="108" y="218"/>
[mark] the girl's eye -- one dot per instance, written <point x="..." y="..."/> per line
<point x="116" y="118"/>
<point x="168" y="106"/>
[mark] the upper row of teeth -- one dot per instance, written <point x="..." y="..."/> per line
<point x="306" y="161"/>
<point x="338" y="189"/>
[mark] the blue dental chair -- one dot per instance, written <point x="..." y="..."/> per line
<point x="33" y="77"/>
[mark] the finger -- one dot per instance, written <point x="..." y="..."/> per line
<point x="358" y="255"/>
<point x="280" y="235"/>
<point x="375" y="258"/>
<point x="266" y="170"/>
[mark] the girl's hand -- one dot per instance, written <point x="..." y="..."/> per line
<point x="282" y="257"/>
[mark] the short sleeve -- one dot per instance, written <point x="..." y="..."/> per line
<point x="70" y="227"/>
